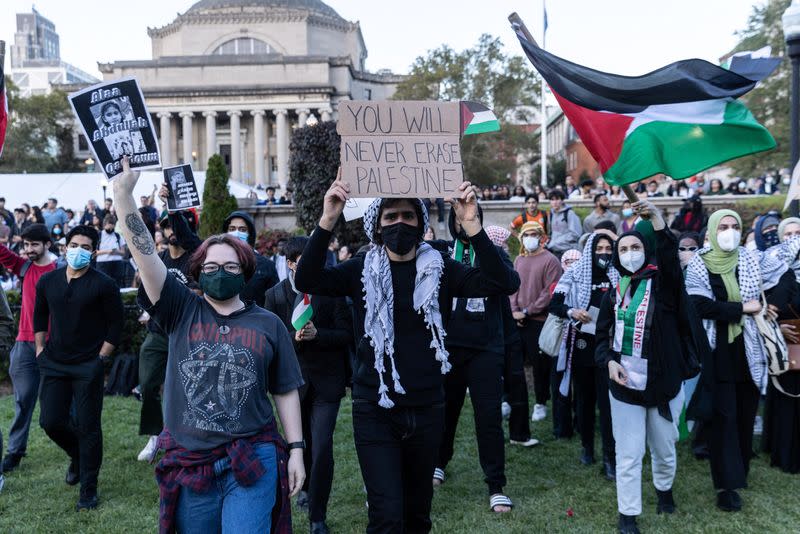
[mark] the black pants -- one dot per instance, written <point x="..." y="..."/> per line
<point x="482" y="372"/>
<point x="319" y="422"/>
<point x="397" y="449"/>
<point x="540" y="361"/>
<point x="562" y="406"/>
<point x="590" y="385"/>
<point x="516" y="391"/>
<point x="81" y="386"/>
<point x="113" y="269"/>
<point x="152" y="370"/>
<point x="730" y="433"/>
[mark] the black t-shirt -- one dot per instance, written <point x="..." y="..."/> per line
<point x="220" y="368"/>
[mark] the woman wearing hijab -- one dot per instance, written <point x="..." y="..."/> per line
<point x="646" y="364"/>
<point x="766" y="231"/>
<point x="788" y="228"/>
<point x="402" y="291"/>
<point x="781" y="437"/>
<point x="577" y="297"/>
<point x="691" y="217"/>
<point x="725" y="282"/>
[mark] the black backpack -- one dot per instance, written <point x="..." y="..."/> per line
<point x="124" y="375"/>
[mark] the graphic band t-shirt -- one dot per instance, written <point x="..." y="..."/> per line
<point x="220" y="368"/>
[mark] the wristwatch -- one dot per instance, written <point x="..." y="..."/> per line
<point x="297" y="444"/>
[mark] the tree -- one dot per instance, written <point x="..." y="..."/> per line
<point x="483" y="73"/>
<point x="770" y="101"/>
<point x="312" y="167"/>
<point x="39" y="135"/>
<point x="218" y="203"/>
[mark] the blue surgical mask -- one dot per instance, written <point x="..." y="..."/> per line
<point x="627" y="212"/>
<point x="57" y="231"/>
<point x="78" y="258"/>
<point x="241" y="235"/>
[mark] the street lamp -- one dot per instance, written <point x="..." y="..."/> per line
<point x="89" y="164"/>
<point x="104" y="185"/>
<point x="791" y="32"/>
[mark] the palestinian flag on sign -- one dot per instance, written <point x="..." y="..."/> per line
<point x="677" y="120"/>
<point x="3" y="108"/>
<point x="302" y="311"/>
<point x="477" y="118"/>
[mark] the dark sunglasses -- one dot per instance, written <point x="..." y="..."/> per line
<point x="687" y="249"/>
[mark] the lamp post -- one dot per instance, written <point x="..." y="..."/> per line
<point x="104" y="185"/>
<point x="89" y="164"/>
<point x="791" y="32"/>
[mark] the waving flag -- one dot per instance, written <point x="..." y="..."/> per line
<point x="302" y="311"/>
<point x="477" y="118"/>
<point x="678" y="120"/>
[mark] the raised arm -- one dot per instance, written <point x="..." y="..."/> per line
<point x="151" y="269"/>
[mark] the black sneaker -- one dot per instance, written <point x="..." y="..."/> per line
<point x="609" y="470"/>
<point x="627" y="524"/>
<point x="302" y="501"/>
<point x="729" y="501"/>
<point x="666" y="504"/>
<point x="73" y="474"/>
<point x="319" y="527"/>
<point x="587" y="456"/>
<point x="87" y="501"/>
<point x="10" y="462"/>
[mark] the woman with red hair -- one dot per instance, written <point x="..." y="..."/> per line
<point x="226" y="467"/>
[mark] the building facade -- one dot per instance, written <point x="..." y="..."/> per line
<point x="234" y="77"/>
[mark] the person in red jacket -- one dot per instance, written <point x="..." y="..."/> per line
<point x="23" y="369"/>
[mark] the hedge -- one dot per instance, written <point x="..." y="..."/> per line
<point x="133" y="332"/>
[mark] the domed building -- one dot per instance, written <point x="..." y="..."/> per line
<point x="232" y="77"/>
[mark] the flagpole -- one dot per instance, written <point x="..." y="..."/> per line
<point x="543" y="136"/>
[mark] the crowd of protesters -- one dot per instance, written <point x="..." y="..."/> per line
<point x="624" y="321"/>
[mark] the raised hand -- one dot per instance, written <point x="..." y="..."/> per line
<point x="646" y="210"/>
<point x="125" y="182"/>
<point x="333" y="204"/>
<point x="465" y="206"/>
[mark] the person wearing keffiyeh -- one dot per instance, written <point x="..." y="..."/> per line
<point x="577" y="299"/>
<point x="725" y="282"/>
<point x="646" y="341"/>
<point x="402" y="291"/>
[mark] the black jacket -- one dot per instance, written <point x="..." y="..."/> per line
<point x="323" y="360"/>
<point x="673" y="345"/>
<point x="420" y="373"/>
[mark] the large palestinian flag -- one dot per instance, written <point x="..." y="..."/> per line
<point x="677" y="120"/>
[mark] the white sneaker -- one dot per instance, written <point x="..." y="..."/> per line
<point x="539" y="412"/>
<point x="2" y="482"/>
<point x="530" y="443"/>
<point x="758" y="426"/>
<point x="149" y="451"/>
<point x="505" y="409"/>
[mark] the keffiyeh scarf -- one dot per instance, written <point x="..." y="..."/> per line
<point x="379" y="301"/>
<point x="757" y="272"/>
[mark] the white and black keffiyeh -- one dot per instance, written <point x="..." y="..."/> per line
<point x="757" y="272"/>
<point x="576" y="286"/>
<point x="789" y="253"/>
<point x="379" y="301"/>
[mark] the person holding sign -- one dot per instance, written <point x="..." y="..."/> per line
<point x="402" y="290"/>
<point x="226" y="467"/>
<point x="645" y="340"/>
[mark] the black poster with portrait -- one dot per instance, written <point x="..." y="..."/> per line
<point x="182" y="188"/>
<point x="115" y="121"/>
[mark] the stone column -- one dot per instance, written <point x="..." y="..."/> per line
<point x="211" y="135"/>
<point x="166" y="139"/>
<point x="236" y="146"/>
<point x="283" y="147"/>
<point x="267" y="152"/>
<point x="258" y="134"/>
<point x="325" y="114"/>
<point x="187" y="137"/>
<point x="302" y="117"/>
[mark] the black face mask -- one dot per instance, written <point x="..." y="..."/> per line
<point x="400" y="237"/>
<point x="771" y="238"/>
<point x="602" y="261"/>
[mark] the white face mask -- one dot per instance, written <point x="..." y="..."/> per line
<point x="632" y="261"/>
<point x="729" y="239"/>
<point x="530" y="243"/>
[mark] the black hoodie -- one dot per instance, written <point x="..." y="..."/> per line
<point x="266" y="274"/>
<point x="481" y="331"/>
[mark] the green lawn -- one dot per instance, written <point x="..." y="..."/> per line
<point x="544" y="482"/>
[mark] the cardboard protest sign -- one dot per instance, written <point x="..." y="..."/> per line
<point x="182" y="188"/>
<point x="115" y="121"/>
<point x="400" y="148"/>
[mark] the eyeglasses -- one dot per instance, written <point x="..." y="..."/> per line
<point x="213" y="268"/>
<point x="687" y="249"/>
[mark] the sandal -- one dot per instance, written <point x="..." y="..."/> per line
<point x="438" y="476"/>
<point x="498" y="499"/>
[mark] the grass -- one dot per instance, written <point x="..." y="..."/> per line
<point x="544" y="483"/>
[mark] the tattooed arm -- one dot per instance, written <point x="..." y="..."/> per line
<point x="151" y="269"/>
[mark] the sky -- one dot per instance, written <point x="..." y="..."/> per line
<point x="621" y="36"/>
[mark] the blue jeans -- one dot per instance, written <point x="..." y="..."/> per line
<point x="228" y="507"/>
<point x="24" y="372"/>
